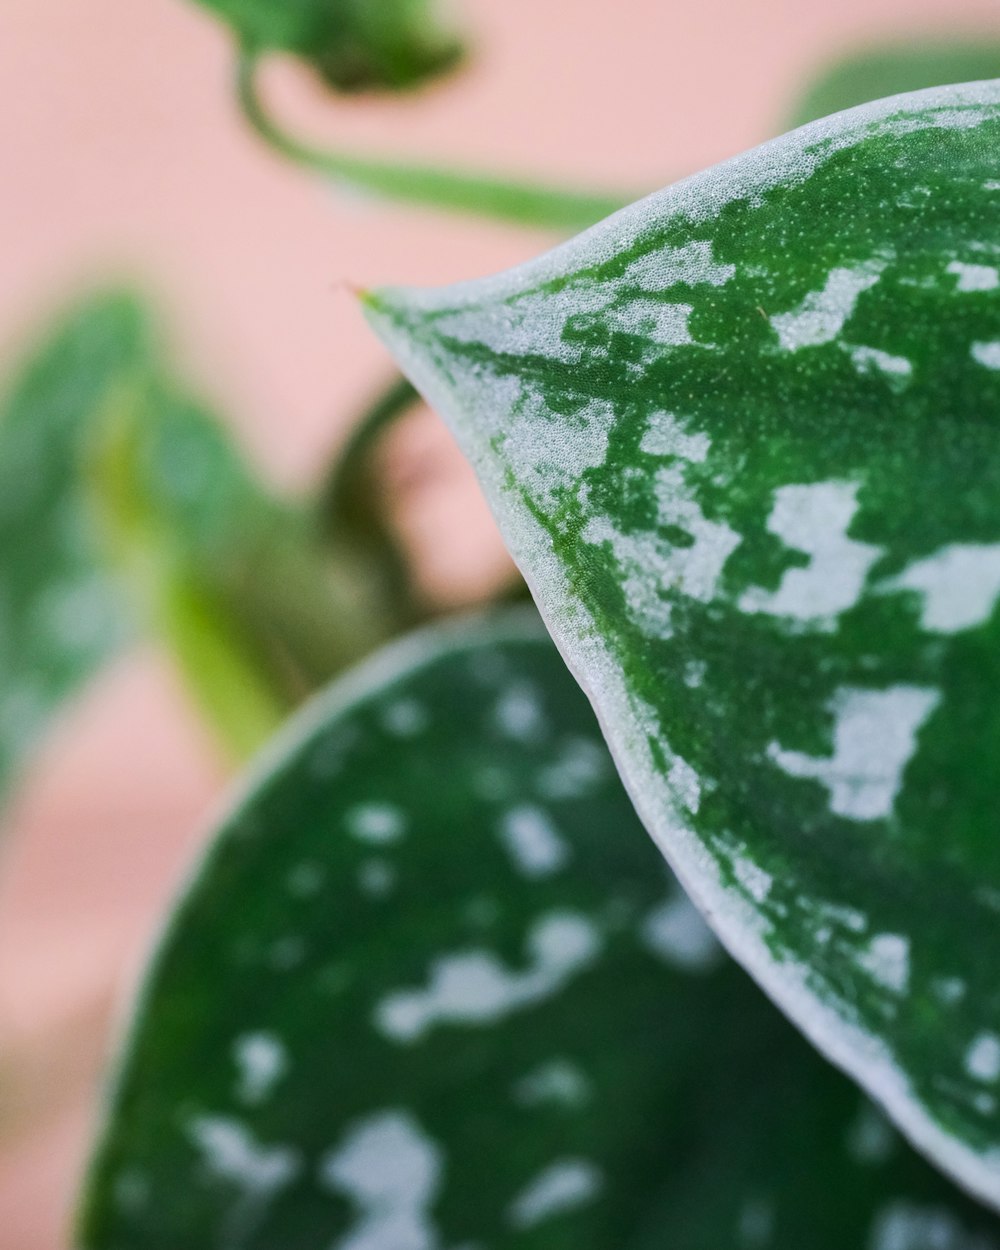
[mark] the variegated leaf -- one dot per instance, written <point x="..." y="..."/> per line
<point x="62" y="614"/>
<point x="743" y="440"/>
<point x="432" y="988"/>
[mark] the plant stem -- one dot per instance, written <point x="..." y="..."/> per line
<point x="504" y="199"/>
<point x="352" y="505"/>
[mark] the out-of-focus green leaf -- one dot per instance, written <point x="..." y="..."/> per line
<point x="61" y="614"/>
<point x="356" y="45"/>
<point x="873" y="73"/>
<point x="432" y="987"/>
<point x="502" y="198"/>
<point x="125" y="509"/>
<point x="742" y="439"/>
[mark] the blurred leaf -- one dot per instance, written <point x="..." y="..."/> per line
<point x="501" y="198"/>
<point x="743" y="441"/>
<point x="125" y="509"/>
<point x="355" y="45"/>
<point x="873" y="73"/>
<point x="184" y="523"/>
<point x="239" y="583"/>
<point x="61" y="614"/>
<point x="433" y="987"/>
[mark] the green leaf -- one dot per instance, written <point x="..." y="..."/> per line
<point x="355" y="45"/>
<point x="889" y="69"/>
<point x="433" y="987"/>
<point x="501" y="197"/>
<point x="61" y="614"/>
<point x="742" y="440"/>
<point x="126" y="509"/>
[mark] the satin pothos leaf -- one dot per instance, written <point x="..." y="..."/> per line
<point x="62" y="613"/>
<point x="433" y="987"/>
<point x="127" y="510"/>
<point x="742" y="439"/>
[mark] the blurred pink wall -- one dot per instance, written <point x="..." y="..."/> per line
<point x="122" y="154"/>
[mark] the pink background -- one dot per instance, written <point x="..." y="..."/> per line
<point x="122" y="154"/>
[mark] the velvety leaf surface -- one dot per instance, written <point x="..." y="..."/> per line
<point x="743" y="441"/>
<point x="61" y="614"/>
<point x="354" y="44"/>
<point x="433" y="987"/>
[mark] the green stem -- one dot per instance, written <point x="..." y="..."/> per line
<point x="352" y="502"/>
<point x="504" y="199"/>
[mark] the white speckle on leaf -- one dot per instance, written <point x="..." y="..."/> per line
<point x="823" y="314"/>
<point x="886" y="959"/>
<point x="132" y="1191"/>
<point x="752" y="878"/>
<point x="663" y="325"/>
<point x="982" y="1059"/>
<point x="257" y="1173"/>
<point x="685" y="784"/>
<point x="815" y="519"/>
<point x="532" y="322"/>
<point x="261" y="1062"/>
<point x="663" y="268"/>
<point x="959" y="585"/>
<point x="666" y="436"/>
<point x="651" y="565"/>
<point x="306" y="879"/>
<point x="678" y="934"/>
<point x="974" y="277"/>
<point x="868" y="360"/>
<point x="565" y="1185"/>
<point x="533" y="841"/>
<point x="474" y="987"/>
<point x="756" y="1223"/>
<point x="519" y="713"/>
<point x="493" y="783"/>
<point x="391" y="1170"/>
<point x="694" y="673"/>
<point x="843" y="917"/>
<point x="406" y="718"/>
<point x="286" y="953"/>
<point x="949" y="990"/>
<point x="875" y="735"/>
<point x="987" y="354"/>
<point x="903" y="1225"/>
<point x="378" y="823"/>
<point x="557" y="1082"/>
<point x="376" y="878"/>
<point x="549" y="453"/>
<point x="871" y="1139"/>
<point x="577" y="767"/>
